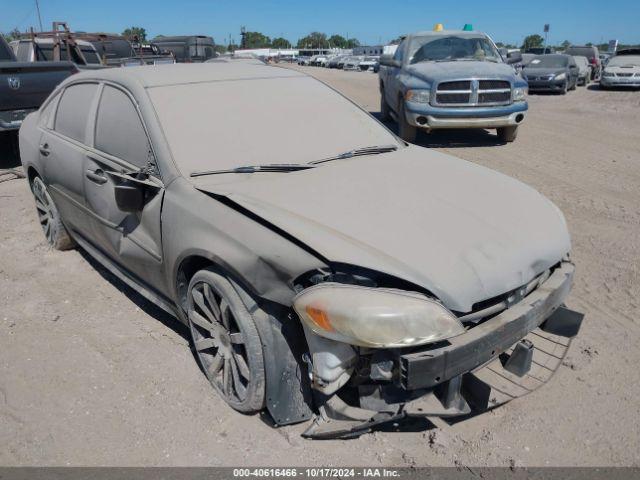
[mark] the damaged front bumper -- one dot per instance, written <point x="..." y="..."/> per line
<point x="446" y="379"/>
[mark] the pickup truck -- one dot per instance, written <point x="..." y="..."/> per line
<point x="451" y="79"/>
<point x="25" y="85"/>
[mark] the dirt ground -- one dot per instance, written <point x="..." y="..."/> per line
<point x="90" y="374"/>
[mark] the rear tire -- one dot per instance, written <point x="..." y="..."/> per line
<point x="406" y="131"/>
<point x="507" y="134"/>
<point x="49" y="217"/>
<point x="226" y="341"/>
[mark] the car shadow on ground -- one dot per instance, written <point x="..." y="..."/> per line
<point x="141" y="302"/>
<point x="450" y="138"/>
<point x="596" y="87"/>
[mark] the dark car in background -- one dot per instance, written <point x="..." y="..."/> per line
<point x="188" y="48"/>
<point x="540" y="50"/>
<point x="25" y="85"/>
<point x="111" y="48"/>
<point x="592" y="54"/>
<point x="552" y="73"/>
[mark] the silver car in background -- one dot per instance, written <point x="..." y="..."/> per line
<point x="584" y="70"/>
<point x="623" y="70"/>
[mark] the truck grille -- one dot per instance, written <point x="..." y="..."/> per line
<point x="465" y="93"/>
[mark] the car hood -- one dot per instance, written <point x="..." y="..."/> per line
<point x="459" y="230"/>
<point x="623" y="69"/>
<point x="442" y="71"/>
<point x="543" y="72"/>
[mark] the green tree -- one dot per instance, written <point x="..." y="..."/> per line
<point x="280" y="43"/>
<point x="314" y="40"/>
<point x="139" y="32"/>
<point x="532" y="41"/>
<point x="256" y="40"/>
<point x="352" y="43"/>
<point x="12" y="35"/>
<point x="337" y="41"/>
<point x="566" y="44"/>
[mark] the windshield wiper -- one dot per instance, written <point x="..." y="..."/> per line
<point x="359" y="152"/>
<point x="275" y="167"/>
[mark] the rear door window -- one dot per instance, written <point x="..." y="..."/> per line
<point x="72" y="114"/>
<point x="119" y="130"/>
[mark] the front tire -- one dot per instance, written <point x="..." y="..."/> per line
<point x="49" y="217"/>
<point x="507" y="134"/>
<point x="226" y="341"/>
<point x="406" y="131"/>
<point x="385" y="114"/>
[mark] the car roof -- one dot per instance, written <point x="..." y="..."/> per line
<point x="149" y="76"/>
<point x="446" y="33"/>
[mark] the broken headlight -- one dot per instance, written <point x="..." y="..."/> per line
<point x="374" y="317"/>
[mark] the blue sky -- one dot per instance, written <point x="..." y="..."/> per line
<point x="369" y="21"/>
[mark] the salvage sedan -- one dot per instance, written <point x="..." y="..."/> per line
<point x="358" y="279"/>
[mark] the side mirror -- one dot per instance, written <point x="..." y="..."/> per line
<point x="129" y="197"/>
<point x="514" y="57"/>
<point x="388" y="61"/>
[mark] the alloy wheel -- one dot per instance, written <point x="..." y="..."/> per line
<point x="46" y="210"/>
<point x="219" y="342"/>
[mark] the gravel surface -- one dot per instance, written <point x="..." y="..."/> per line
<point x="91" y="374"/>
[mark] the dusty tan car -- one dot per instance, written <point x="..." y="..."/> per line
<point x="323" y="265"/>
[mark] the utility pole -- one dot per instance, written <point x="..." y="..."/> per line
<point x="39" y="17"/>
<point x="546" y="38"/>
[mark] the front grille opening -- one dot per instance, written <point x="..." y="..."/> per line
<point x="493" y="84"/>
<point x="487" y="309"/>
<point x="494" y="97"/>
<point x="458" y="85"/>
<point x="453" y="98"/>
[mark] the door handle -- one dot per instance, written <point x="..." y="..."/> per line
<point x="44" y="149"/>
<point x="96" y="176"/>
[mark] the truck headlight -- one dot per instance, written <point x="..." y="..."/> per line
<point x="374" y="317"/>
<point x="418" y="96"/>
<point x="560" y="76"/>
<point x="519" y="93"/>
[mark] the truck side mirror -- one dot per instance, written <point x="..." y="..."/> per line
<point x="388" y="61"/>
<point x="129" y="197"/>
<point x="514" y="57"/>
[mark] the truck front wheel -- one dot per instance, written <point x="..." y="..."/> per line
<point x="406" y="131"/>
<point x="508" y="134"/>
<point x="384" y="107"/>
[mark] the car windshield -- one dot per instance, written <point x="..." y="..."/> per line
<point x="208" y="128"/>
<point x="625" y="60"/>
<point x="452" y="48"/>
<point x="548" y="61"/>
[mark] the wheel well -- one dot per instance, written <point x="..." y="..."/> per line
<point x="31" y="174"/>
<point x="186" y="271"/>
